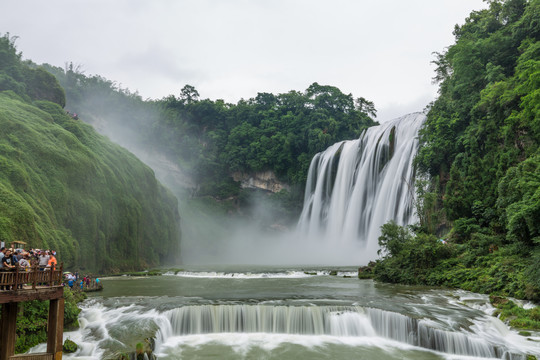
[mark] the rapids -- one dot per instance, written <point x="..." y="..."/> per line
<point x="295" y="313"/>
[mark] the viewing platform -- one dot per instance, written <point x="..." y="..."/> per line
<point x="31" y="284"/>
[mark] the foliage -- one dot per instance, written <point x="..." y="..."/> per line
<point x="480" y="150"/>
<point x="69" y="346"/>
<point x="211" y="140"/>
<point x="516" y="315"/>
<point x="64" y="187"/>
<point x="485" y="119"/>
<point x="29" y="82"/>
<point x="408" y="258"/>
<point x="478" y="265"/>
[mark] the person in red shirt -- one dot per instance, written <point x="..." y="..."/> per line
<point x="52" y="263"/>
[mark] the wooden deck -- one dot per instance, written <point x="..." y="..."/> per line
<point x="31" y="284"/>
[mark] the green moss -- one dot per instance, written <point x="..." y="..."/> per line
<point x="64" y="187"/>
<point x="515" y="315"/>
<point x="69" y="346"/>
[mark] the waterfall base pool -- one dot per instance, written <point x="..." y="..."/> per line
<point x="293" y="313"/>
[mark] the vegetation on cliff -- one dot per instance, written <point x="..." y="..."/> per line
<point x="480" y="148"/>
<point x="210" y="139"/>
<point x="67" y="188"/>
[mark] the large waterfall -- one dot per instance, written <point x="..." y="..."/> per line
<point x="356" y="186"/>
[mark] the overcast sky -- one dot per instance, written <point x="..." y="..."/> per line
<point x="232" y="49"/>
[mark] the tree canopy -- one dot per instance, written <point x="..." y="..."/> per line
<point x="212" y="139"/>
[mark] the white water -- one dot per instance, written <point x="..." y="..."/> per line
<point x="287" y="317"/>
<point x="240" y="325"/>
<point x="354" y="187"/>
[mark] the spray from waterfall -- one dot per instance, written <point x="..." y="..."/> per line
<point x="354" y="187"/>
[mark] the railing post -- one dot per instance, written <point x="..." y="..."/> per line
<point x="8" y="325"/>
<point x="16" y="280"/>
<point x="55" y="328"/>
<point x="34" y="276"/>
<point x="61" y="274"/>
<point x="51" y="276"/>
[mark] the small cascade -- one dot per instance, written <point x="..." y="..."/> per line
<point x="356" y="186"/>
<point x="340" y="321"/>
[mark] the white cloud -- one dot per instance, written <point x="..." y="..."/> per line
<point x="380" y="50"/>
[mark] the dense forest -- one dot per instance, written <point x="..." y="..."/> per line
<point x="210" y="140"/>
<point x="67" y="188"/>
<point x="480" y="209"/>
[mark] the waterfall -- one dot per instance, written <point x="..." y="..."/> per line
<point x="356" y="186"/>
<point x="349" y="321"/>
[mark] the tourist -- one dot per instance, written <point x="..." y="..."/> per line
<point x="87" y="281"/>
<point x="43" y="260"/>
<point x="14" y="257"/>
<point x="8" y="261"/>
<point x="24" y="263"/>
<point x="52" y="263"/>
<point x="2" y="254"/>
<point x="70" y="282"/>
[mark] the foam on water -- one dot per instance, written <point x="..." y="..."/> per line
<point x="241" y="344"/>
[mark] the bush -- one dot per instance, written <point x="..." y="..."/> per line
<point x="409" y="258"/>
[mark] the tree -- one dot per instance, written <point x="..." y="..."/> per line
<point x="189" y="94"/>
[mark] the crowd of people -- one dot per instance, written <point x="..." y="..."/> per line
<point x="73" y="280"/>
<point x="12" y="258"/>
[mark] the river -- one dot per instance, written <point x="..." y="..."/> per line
<point x="289" y="313"/>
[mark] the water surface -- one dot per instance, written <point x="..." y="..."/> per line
<point x="289" y="313"/>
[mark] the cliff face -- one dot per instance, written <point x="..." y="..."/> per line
<point x="67" y="188"/>
<point x="265" y="180"/>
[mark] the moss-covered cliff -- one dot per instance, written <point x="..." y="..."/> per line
<point x="65" y="187"/>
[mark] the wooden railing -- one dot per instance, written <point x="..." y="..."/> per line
<point x="13" y="279"/>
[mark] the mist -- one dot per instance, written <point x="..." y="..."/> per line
<point x="255" y="227"/>
<point x="254" y="234"/>
<point x="255" y="237"/>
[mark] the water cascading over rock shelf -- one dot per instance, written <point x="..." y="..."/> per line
<point x="356" y="186"/>
<point x="338" y="321"/>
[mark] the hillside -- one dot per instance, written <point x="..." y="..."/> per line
<point x="65" y="187"/>
<point x="480" y="150"/>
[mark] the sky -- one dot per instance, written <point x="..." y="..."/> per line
<point x="232" y="49"/>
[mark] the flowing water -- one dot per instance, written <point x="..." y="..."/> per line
<point x="355" y="186"/>
<point x="307" y="313"/>
<point x="294" y="313"/>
